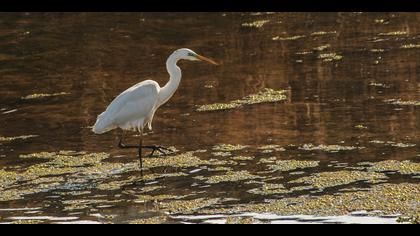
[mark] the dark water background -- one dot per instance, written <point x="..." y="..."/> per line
<point x="95" y="56"/>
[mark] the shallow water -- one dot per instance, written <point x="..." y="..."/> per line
<point x="352" y="100"/>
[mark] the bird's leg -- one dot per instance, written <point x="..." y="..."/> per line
<point x="154" y="148"/>
<point x="124" y="146"/>
<point x="162" y="150"/>
<point x="140" y="153"/>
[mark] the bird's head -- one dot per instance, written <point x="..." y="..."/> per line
<point x="188" y="54"/>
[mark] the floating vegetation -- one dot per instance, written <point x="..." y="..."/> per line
<point x="361" y="127"/>
<point x="289" y="165"/>
<point x="410" y="46"/>
<point x="327" y="57"/>
<point x="228" y="147"/>
<point x="220" y="168"/>
<point x="182" y="160"/>
<point x="332" y="179"/>
<point x="151" y="198"/>
<point x="288" y="38"/>
<point x="320" y="33"/>
<point x="43" y="95"/>
<point x="267" y="160"/>
<point x="373" y="84"/>
<point x="265" y="96"/>
<point x="271" y="148"/>
<point x="394" y="33"/>
<point x="22" y="137"/>
<point x="218" y="106"/>
<point x="269" y="189"/>
<point x="402" y="103"/>
<point x="385" y="199"/>
<point x="230" y="176"/>
<point x="328" y="148"/>
<point x="256" y="24"/>
<point x="412" y="219"/>
<point x="221" y="154"/>
<point x="377" y="50"/>
<point x="77" y="167"/>
<point x="402" y="167"/>
<point x="393" y="144"/>
<point x="83" y="204"/>
<point x="242" y="158"/>
<point x="303" y="53"/>
<point x="187" y="206"/>
<point x="152" y="220"/>
<point x="322" y="47"/>
<point x="239" y="220"/>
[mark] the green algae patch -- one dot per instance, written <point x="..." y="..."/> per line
<point x="322" y="33"/>
<point x="289" y="165"/>
<point x="393" y="33"/>
<point x="288" y="38"/>
<point x="400" y="102"/>
<point x="410" y="46"/>
<point x="113" y="185"/>
<point x="43" y="95"/>
<point x="242" y="158"/>
<point x="27" y="222"/>
<point x="269" y="189"/>
<point x="332" y="179"/>
<point x="220" y="168"/>
<point x="328" y="148"/>
<point x="187" y="206"/>
<point x="271" y="148"/>
<point x="182" y="160"/>
<point x="322" y="47"/>
<point x="221" y="154"/>
<point x="393" y="144"/>
<point x="265" y="96"/>
<point x="255" y="24"/>
<point x="228" y="147"/>
<point x="154" y="198"/>
<point x="384" y="199"/>
<point x="412" y="219"/>
<point x="152" y="220"/>
<point x="402" y="167"/>
<point x="83" y="204"/>
<point x="328" y="57"/>
<point x="230" y="176"/>
<point x="236" y="220"/>
<point x="22" y="137"/>
<point x="218" y="106"/>
<point x="61" y="169"/>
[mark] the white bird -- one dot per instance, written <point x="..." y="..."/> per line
<point x="134" y="108"/>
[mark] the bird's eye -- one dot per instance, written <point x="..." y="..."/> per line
<point x="190" y="54"/>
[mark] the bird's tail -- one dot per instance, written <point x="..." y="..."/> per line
<point x="103" y="124"/>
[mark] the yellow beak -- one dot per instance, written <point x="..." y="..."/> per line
<point x="207" y="60"/>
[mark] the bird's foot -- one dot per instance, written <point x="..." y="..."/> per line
<point x="162" y="150"/>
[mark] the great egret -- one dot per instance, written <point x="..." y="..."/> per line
<point x="134" y="108"/>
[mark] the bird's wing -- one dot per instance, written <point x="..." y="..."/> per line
<point x="134" y="103"/>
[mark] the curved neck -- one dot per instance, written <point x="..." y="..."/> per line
<point x="174" y="79"/>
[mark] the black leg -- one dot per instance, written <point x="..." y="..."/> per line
<point x="140" y="154"/>
<point x="154" y="148"/>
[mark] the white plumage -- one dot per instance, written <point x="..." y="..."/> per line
<point x="131" y="110"/>
<point x="134" y="108"/>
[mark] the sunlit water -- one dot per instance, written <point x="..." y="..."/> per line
<point x="351" y="80"/>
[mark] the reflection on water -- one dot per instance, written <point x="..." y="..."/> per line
<point x="352" y="107"/>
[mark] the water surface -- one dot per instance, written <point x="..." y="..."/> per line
<point x="351" y="81"/>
